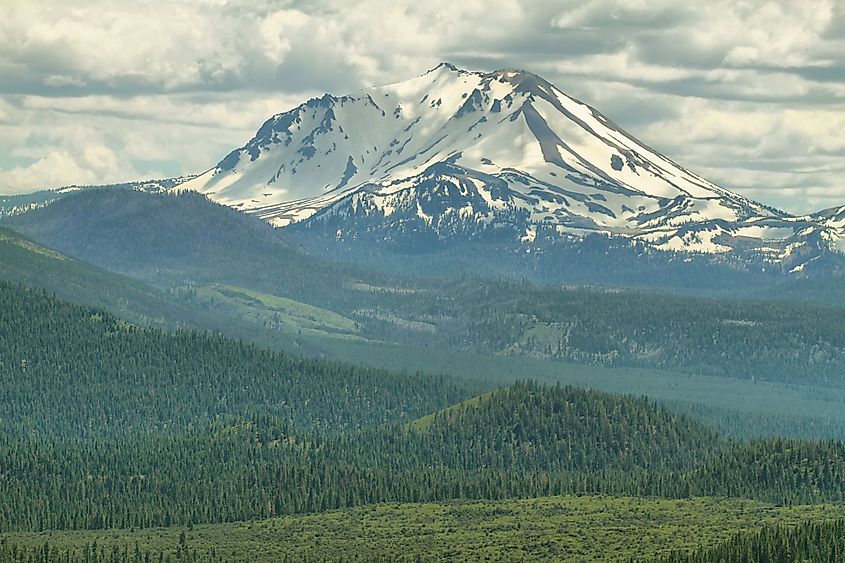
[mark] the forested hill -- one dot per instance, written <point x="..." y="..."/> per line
<point x="197" y="246"/>
<point x="190" y="238"/>
<point x="26" y="262"/>
<point x="106" y="424"/>
<point x="539" y="428"/>
<point x="264" y="467"/>
<point x="77" y="371"/>
<point x="524" y="441"/>
<point x="811" y="541"/>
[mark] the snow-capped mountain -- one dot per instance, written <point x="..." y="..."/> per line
<point x="505" y="154"/>
<point x="831" y="227"/>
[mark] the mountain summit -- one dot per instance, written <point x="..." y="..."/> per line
<point x="474" y="154"/>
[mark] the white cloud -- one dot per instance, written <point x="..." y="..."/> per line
<point x="749" y="93"/>
<point x="55" y="168"/>
<point x="777" y="34"/>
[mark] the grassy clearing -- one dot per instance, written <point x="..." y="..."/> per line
<point x="425" y="421"/>
<point x="31" y="246"/>
<point x="280" y="313"/>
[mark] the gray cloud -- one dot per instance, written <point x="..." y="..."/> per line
<point x="749" y="94"/>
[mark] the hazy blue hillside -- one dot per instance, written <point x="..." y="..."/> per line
<point x="24" y="261"/>
<point x="120" y="378"/>
<point x="236" y="266"/>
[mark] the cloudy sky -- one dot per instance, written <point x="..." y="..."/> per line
<point x="750" y="94"/>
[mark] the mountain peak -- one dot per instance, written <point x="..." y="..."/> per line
<point x="459" y="151"/>
<point x="512" y="73"/>
<point x="444" y="65"/>
<point x="505" y="73"/>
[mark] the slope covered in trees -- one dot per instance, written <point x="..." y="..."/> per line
<point x="528" y="427"/>
<point x="811" y="541"/>
<point x="108" y="425"/>
<point x="194" y="243"/>
<point x="24" y="261"/>
<point x="742" y="409"/>
<point x="523" y="441"/>
<point x="535" y="441"/>
<point x="190" y="238"/>
<point x="762" y="340"/>
<point x="74" y="371"/>
<point x="783" y="471"/>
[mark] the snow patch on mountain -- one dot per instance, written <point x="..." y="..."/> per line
<point x="472" y="155"/>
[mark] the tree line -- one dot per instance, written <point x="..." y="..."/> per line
<point x="811" y="541"/>
<point x="524" y="441"/>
